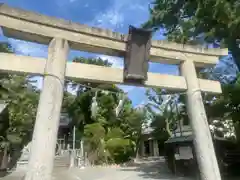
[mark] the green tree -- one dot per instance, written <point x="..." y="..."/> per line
<point x="226" y="105"/>
<point x="167" y="110"/>
<point x="94" y="135"/>
<point x="108" y="137"/>
<point x="207" y="22"/>
<point x="79" y="110"/>
<point x="18" y="117"/>
<point x="132" y="123"/>
<point x="199" y="22"/>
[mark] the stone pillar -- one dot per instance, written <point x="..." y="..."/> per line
<point x="155" y="148"/>
<point x="142" y="149"/>
<point x="48" y="114"/>
<point x="204" y="148"/>
<point x="151" y="147"/>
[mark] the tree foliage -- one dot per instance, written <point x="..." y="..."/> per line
<point x="210" y="23"/>
<point x="226" y="106"/>
<point x="107" y="137"/>
<point x="199" y="22"/>
<point x="17" y="92"/>
<point x="17" y="119"/>
<point x="167" y="110"/>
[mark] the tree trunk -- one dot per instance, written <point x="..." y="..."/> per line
<point x="235" y="50"/>
<point x="168" y="128"/>
<point x="1" y="156"/>
<point x="138" y="146"/>
<point x="237" y="132"/>
<point x="15" y="154"/>
<point x="4" y="162"/>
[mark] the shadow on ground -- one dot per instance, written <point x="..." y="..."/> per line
<point x="154" y="170"/>
<point x="159" y="171"/>
<point x="3" y="173"/>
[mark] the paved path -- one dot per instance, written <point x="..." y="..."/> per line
<point x="147" y="171"/>
<point x="141" y="171"/>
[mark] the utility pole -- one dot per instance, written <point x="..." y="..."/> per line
<point x="74" y="138"/>
<point x="73" y="148"/>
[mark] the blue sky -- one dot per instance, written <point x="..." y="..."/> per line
<point x="116" y="15"/>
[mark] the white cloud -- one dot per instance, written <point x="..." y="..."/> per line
<point x="141" y="104"/>
<point x="116" y="61"/>
<point x="64" y="3"/>
<point x="126" y="88"/>
<point x="39" y="81"/>
<point x="110" y="19"/>
<point x="122" y="13"/>
<point x="28" y="48"/>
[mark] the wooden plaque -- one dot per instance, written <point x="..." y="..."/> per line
<point x="137" y="55"/>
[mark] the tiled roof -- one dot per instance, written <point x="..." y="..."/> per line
<point x="179" y="139"/>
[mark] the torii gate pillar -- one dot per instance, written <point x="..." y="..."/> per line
<point x="48" y="114"/>
<point x="203" y="143"/>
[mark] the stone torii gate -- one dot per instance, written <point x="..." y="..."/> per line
<point x="62" y="35"/>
